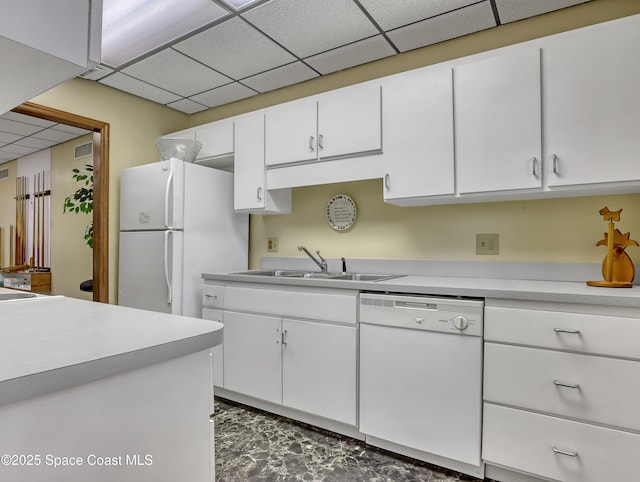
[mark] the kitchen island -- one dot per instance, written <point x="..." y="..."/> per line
<point x="91" y="391"/>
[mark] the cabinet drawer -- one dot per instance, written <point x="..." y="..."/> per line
<point x="544" y="380"/>
<point x="339" y="306"/>
<point x="212" y="296"/>
<point x="525" y="441"/>
<point x="588" y="333"/>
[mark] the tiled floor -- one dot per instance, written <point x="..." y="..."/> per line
<point x="257" y="446"/>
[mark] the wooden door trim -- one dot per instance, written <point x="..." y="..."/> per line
<point x="100" y="187"/>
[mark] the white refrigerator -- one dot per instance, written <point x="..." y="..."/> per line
<point x="176" y="222"/>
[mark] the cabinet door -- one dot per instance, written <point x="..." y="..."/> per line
<point x="592" y="105"/>
<point x="319" y="369"/>
<point x="350" y="122"/>
<point x="216" y="140"/>
<point x="497" y="122"/>
<point x="252" y="355"/>
<point x="217" y="351"/>
<point x="291" y="132"/>
<point x="248" y="179"/>
<point x="418" y="130"/>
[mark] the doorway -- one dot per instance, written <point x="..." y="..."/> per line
<point x="100" y="187"/>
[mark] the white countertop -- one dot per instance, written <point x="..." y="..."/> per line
<point x="51" y="343"/>
<point x="532" y="290"/>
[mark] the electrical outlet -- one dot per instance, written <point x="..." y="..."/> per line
<point x="487" y="243"/>
<point x="272" y="245"/>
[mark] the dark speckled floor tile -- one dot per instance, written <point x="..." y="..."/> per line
<point x="256" y="446"/>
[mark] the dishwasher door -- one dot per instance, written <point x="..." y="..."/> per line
<point x="422" y="388"/>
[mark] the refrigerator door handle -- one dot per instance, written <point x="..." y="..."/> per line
<point x="167" y="190"/>
<point x="167" y="280"/>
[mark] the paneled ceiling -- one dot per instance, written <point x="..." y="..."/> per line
<point x="276" y="43"/>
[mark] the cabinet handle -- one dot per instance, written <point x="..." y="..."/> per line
<point x="311" y="138"/>
<point x="564" y="330"/>
<point x="284" y="337"/>
<point x="558" y="383"/>
<point x="386" y="181"/>
<point x="535" y="167"/>
<point x="259" y="194"/>
<point x="210" y="296"/>
<point x="555" y="164"/>
<point x="564" y="452"/>
<point x="417" y="319"/>
<point x="320" y="144"/>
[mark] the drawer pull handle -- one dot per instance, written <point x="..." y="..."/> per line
<point x="210" y="296"/>
<point x="558" y="383"/>
<point x="564" y="452"/>
<point x="418" y="319"/>
<point x="564" y="330"/>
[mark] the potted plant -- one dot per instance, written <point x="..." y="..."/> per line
<point x="82" y="200"/>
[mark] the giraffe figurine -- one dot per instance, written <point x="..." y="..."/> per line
<point x="617" y="268"/>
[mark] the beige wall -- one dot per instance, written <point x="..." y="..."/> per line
<point x="71" y="257"/>
<point x="7" y="208"/>
<point x="562" y="230"/>
<point x="554" y="230"/>
<point x="135" y="124"/>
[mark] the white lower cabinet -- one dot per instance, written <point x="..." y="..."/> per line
<point x="319" y="369"/>
<point x="558" y="449"/>
<point x="561" y="390"/>
<point x="252" y="355"/>
<point x="294" y="348"/>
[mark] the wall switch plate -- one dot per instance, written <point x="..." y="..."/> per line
<point x="487" y="243"/>
<point x="272" y="245"/>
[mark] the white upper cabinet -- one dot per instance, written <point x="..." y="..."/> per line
<point x="350" y="122"/>
<point x="418" y="136"/>
<point x="45" y="43"/>
<point x="591" y="81"/>
<point x="291" y="131"/>
<point x="498" y="138"/>
<point x="249" y="189"/>
<point x="216" y="139"/>
<point x="342" y="123"/>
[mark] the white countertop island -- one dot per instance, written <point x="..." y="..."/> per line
<point x="90" y="391"/>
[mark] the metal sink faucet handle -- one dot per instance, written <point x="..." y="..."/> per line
<point x="322" y="263"/>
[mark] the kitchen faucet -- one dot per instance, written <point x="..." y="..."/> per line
<point x="321" y="262"/>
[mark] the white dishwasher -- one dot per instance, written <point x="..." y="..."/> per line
<point x="421" y="378"/>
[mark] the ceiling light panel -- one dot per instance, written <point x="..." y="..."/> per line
<point x="131" y="28"/>
<point x="238" y="4"/>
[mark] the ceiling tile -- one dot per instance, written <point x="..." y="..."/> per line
<point x="390" y="15"/>
<point x="21" y="150"/>
<point x="224" y="95"/>
<point x="55" y="135"/>
<point x="27" y="119"/>
<point x="444" y="27"/>
<point x="71" y="129"/>
<point x="187" y="106"/>
<point x="7" y="156"/>
<point x="236" y="49"/>
<point x="137" y="87"/>
<point x="176" y="73"/>
<point x="19" y="128"/>
<point x="6" y="137"/>
<point x="307" y="27"/>
<point x="357" y="53"/>
<point x="35" y="143"/>
<point x="512" y="10"/>
<point x="280" y="77"/>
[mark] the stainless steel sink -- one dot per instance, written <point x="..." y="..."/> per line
<point x="15" y="296"/>
<point x="274" y="272"/>
<point x="319" y="275"/>
<point x="366" y="276"/>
